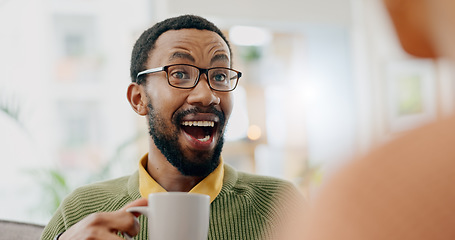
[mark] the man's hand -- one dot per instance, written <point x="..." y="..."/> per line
<point x="105" y="225"/>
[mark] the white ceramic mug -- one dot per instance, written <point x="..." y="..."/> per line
<point x="176" y="216"/>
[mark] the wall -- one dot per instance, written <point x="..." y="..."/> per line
<point x="323" y="65"/>
<point x="303" y="11"/>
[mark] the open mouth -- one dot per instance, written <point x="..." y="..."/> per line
<point x="203" y="131"/>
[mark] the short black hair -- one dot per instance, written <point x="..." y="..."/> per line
<point x="146" y="42"/>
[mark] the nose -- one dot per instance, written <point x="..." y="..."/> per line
<point x="202" y="93"/>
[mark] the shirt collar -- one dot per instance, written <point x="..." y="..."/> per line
<point x="210" y="185"/>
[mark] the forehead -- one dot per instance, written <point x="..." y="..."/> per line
<point x="201" y="45"/>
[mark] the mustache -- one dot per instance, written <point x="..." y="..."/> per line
<point x="181" y="114"/>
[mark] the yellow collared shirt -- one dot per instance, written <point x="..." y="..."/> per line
<point x="211" y="185"/>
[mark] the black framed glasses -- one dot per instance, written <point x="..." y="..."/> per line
<point x="187" y="76"/>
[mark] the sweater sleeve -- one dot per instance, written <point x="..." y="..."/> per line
<point x="55" y="226"/>
<point x="99" y="197"/>
<point x="68" y="214"/>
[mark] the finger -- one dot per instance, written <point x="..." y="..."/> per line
<point x="127" y="237"/>
<point x="125" y="222"/>
<point x="101" y="235"/>
<point x="112" y="222"/>
<point x="136" y="203"/>
<point x="117" y="221"/>
<point x="83" y="231"/>
<point x="134" y="230"/>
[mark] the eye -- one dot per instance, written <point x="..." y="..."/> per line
<point x="219" y="77"/>
<point x="180" y="74"/>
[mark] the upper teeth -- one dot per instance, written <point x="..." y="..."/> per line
<point x="199" y="123"/>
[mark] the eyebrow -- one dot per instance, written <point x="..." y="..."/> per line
<point x="181" y="55"/>
<point x="219" y="57"/>
<point x="187" y="56"/>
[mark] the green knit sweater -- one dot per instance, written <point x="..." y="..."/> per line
<point x="246" y="208"/>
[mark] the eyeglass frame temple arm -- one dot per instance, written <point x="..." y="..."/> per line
<point x="153" y="70"/>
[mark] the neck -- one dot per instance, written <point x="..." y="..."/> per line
<point x="167" y="175"/>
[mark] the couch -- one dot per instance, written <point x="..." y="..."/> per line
<point x="11" y="230"/>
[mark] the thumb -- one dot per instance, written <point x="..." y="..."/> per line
<point x="136" y="203"/>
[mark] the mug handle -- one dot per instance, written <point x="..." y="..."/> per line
<point x="142" y="210"/>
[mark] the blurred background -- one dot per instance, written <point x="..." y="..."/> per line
<point x="324" y="81"/>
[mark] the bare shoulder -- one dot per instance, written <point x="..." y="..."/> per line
<point x="402" y="189"/>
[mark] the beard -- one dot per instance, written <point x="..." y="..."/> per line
<point x="166" y="139"/>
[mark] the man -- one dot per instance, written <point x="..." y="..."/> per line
<point x="405" y="189"/>
<point x="182" y="82"/>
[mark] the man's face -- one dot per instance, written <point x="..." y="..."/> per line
<point x="187" y="125"/>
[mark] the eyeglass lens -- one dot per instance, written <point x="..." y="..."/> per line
<point x="185" y="76"/>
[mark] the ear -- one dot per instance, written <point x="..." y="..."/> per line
<point x="137" y="98"/>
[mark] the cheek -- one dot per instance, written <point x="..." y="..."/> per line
<point x="166" y="101"/>
<point x="227" y="103"/>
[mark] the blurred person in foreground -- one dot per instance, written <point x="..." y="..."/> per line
<point x="181" y="82"/>
<point x="405" y="189"/>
